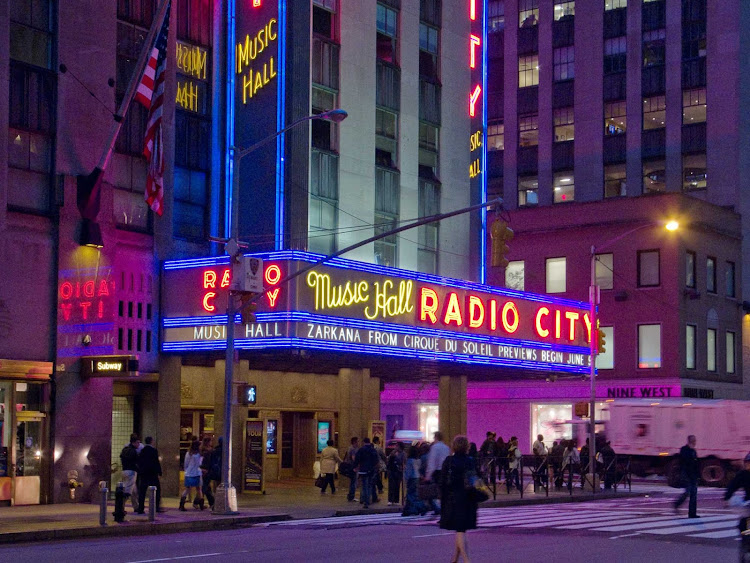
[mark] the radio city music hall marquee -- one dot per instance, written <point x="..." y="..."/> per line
<point x="349" y="306"/>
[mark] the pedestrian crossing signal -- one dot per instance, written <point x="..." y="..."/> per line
<point x="501" y="235"/>
<point x="248" y="307"/>
<point x="601" y="341"/>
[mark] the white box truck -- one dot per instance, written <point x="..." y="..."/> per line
<point x="652" y="431"/>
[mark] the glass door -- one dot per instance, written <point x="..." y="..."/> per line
<point x="27" y="446"/>
<point x="5" y="444"/>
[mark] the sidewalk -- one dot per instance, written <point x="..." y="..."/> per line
<point x="290" y="499"/>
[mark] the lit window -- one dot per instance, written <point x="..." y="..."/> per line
<point x="654" y="49"/>
<point x="496" y="136"/>
<point x="711" y="349"/>
<point x="515" y="276"/>
<point x="563" y="186"/>
<point x="614" y="180"/>
<point x="654" y="112"/>
<point x="528" y="71"/>
<point x="528" y="13"/>
<point x="690" y="269"/>
<point x="654" y="178"/>
<point x="694" y="106"/>
<point x="711" y="274"/>
<point x="694" y="172"/>
<point x="564" y="9"/>
<point x="730" y="340"/>
<point x="649" y="346"/>
<point x="528" y="187"/>
<point x="607" y="359"/>
<point x="648" y="268"/>
<point x="564" y="124"/>
<point x="615" y="4"/>
<point x="556" y="275"/>
<point x="615" y="122"/>
<point x="690" y="331"/>
<point x="496" y="16"/>
<point x="528" y="130"/>
<point x="605" y="271"/>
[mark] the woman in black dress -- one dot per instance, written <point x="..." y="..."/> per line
<point x="459" y="509"/>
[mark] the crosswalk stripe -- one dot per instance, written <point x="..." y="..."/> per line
<point x="697" y="527"/>
<point x="589" y="519"/>
<point x="634" y="520"/>
<point x="655" y="523"/>
<point x="730" y="533"/>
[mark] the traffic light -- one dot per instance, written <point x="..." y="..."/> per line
<point x="248" y="306"/>
<point x="501" y="235"/>
<point x="601" y="341"/>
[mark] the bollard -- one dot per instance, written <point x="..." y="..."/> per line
<point x="119" y="512"/>
<point x="151" y="503"/>
<point x="103" y="492"/>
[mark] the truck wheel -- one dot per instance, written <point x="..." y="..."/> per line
<point x="713" y="473"/>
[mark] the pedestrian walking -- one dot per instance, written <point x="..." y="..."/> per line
<point x="571" y="461"/>
<point x="413" y="503"/>
<point x="366" y="464"/>
<point x="514" y="464"/>
<point x="608" y="465"/>
<point x="689" y="476"/>
<point x="556" y="461"/>
<point x="206" y="451"/>
<point x="351" y="453"/>
<point x="378" y="482"/>
<point x="585" y="462"/>
<point x="540" y="457"/>
<point x="459" y="510"/>
<point x="501" y="458"/>
<point x="329" y="457"/>
<point x="395" y="467"/>
<point x="149" y="471"/>
<point x="192" y="468"/>
<point x="488" y="457"/>
<point x="435" y="458"/>
<point x="129" y="461"/>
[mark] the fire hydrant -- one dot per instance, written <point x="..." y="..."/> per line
<point x="73" y="483"/>
<point x="119" y="513"/>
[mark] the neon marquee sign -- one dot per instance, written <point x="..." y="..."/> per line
<point x="355" y="307"/>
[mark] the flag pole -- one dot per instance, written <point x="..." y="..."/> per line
<point x="134" y="81"/>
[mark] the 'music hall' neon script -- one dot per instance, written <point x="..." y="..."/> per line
<point x="248" y="52"/>
<point x="350" y="306"/>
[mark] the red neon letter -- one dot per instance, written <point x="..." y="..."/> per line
<point x="272" y="295"/>
<point x="493" y="314"/>
<point x="225" y="278"/>
<point x="510" y="326"/>
<point x="101" y="310"/>
<point x="558" y="324"/>
<point x="209" y="279"/>
<point x="473" y="9"/>
<point x="206" y="302"/>
<point x="428" y="304"/>
<point x="103" y="289"/>
<point x="572" y="317"/>
<point x="475" y="42"/>
<point x="473" y="97"/>
<point x="66" y="290"/>
<point x="273" y="274"/>
<point x="85" y="308"/>
<point x="587" y="322"/>
<point x="476" y="311"/>
<point x="452" y="311"/>
<point x="66" y="309"/>
<point x="542" y="312"/>
<point x="88" y="288"/>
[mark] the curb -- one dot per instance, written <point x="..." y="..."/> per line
<point x="140" y="528"/>
<point x="514" y="502"/>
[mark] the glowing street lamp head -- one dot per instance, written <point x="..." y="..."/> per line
<point x="672" y="225"/>
<point x="335" y="115"/>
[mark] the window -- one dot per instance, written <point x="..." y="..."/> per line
<point x="324" y="133"/>
<point x="564" y="63"/>
<point x="429" y="101"/>
<point x="386" y="138"/>
<point x="615" y="4"/>
<point x="605" y="271"/>
<point x="515" y="275"/>
<point x="31" y="32"/>
<point x="654" y="176"/>
<point x="428" y="51"/>
<point x="614" y="180"/>
<point x="654" y="112"/>
<point x="496" y="16"/>
<point x="615" y="54"/>
<point x="429" y="138"/>
<point x="555" y="275"/>
<point x="711" y="349"/>
<point x="693" y="106"/>
<point x="324" y="202"/>
<point x="690" y="344"/>
<point x="711" y="274"/>
<point x="429" y="204"/>
<point x="563" y="187"/>
<point x="388" y="86"/>
<point x="649" y="346"/>
<point x="654" y="47"/>
<point x="527" y="191"/>
<point x="690" y="269"/>
<point x="564" y="9"/>
<point x="387" y="205"/>
<point x="496" y="136"/>
<point x="730" y="345"/>
<point x="694" y="171"/>
<point x="190" y="203"/>
<point x="648" y="268"/>
<point x="324" y="21"/>
<point x="693" y="29"/>
<point x="324" y="63"/>
<point x="615" y="121"/>
<point x="528" y="130"/>
<point x="194" y="18"/>
<point x="528" y="13"/>
<point x="387" y="29"/>
<point x="607" y="359"/>
<point x="564" y="125"/>
<point x="528" y="71"/>
<point x="729" y="276"/>
<point x="128" y="177"/>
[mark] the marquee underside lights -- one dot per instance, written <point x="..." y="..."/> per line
<point x="354" y="307"/>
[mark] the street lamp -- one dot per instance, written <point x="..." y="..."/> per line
<point x="226" y="495"/>
<point x="671" y="226"/>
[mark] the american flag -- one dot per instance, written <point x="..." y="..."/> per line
<point x="151" y="94"/>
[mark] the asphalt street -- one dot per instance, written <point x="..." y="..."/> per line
<point x="622" y="530"/>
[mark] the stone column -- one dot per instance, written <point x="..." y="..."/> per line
<point x="452" y="406"/>
<point x="359" y="403"/>
<point x="168" y="422"/>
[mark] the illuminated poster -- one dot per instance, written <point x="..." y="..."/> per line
<point x="271" y="437"/>
<point x="324" y="434"/>
<point x="254" y="455"/>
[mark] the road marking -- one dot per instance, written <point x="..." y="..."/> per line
<point x="693" y="527"/>
<point x="733" y="532"/>
<point x="680" y="522"/>
<point x="625" y="536"/>
<point x="180" y="557"/>
<point x="433" y="535"/>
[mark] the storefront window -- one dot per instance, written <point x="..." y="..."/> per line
<point x="552" y="422"/>
<point x="428" y="420"/>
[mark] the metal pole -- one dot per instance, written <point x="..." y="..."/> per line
<point x="151" y="503"/>
<point x="103" y="492"/>
<point x="592" y="371"/>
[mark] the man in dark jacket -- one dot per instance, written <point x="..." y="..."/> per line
<point x="740" y="481"/>
<point x="149" y="471"/>
<point x="689" y="475"/>
<point x="129" y="461"/>
<point x="366" y="463"/>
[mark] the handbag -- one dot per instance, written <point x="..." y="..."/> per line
<point x="478" y="493"/>
<point x="346" y="468"/>
<point x="320" y="481"/>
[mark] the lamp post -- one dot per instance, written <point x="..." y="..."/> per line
<point x="593" y="337"/>
<point x="226" y="495"/>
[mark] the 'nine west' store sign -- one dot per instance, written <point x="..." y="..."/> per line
<point x="355" y="307"/>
